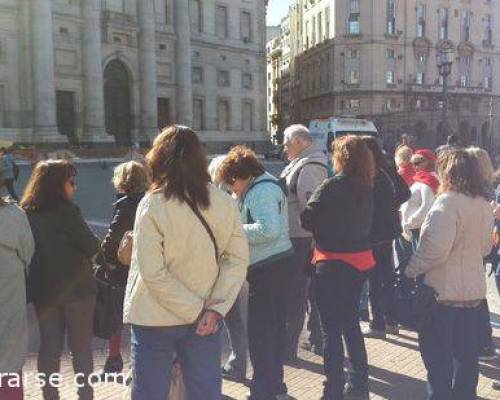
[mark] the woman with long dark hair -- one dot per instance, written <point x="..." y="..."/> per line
<point x="188" y="264"/>
<point x="339" y="214"/>
<point x="61" y="282"/>
<point x="455" y="237"/>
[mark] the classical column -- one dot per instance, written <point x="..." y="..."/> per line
<point x="93" y="89"/>
<point x="44" y="87"/>
<point x="147" y="69"/>
<point x="183" y="56"/>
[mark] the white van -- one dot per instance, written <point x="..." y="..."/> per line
<point x="325" y="131"/>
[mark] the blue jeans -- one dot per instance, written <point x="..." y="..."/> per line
<point x="153" y="351"/>
<point x="450" y="350"/>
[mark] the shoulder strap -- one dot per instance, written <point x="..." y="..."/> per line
<point x="293" y="186"/>
<point x="205" y="225"/>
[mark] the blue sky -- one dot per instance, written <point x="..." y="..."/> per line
<point x="276" y="10"/>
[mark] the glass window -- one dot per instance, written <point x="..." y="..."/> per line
<point x="353" y="67"/>
<point x="421" y="20"/>
<point x="465" y="66"/>
<point x="196" y="10"/>
<point x="421" y="68"/>
<point x="246" y="26"/>
<point x="488" y="33"/>
<point x="327" y="22"/>
<point x="390" y="27"/>
<point x="223" y="115"/>
<point x="389" y="77"/>
<point x="221" y="22"/>
<point x="197" y="75"/>
<point x="488" y="73"/>
<point x="198" y="115"/>
<point x="443" y="23"/>
<point x="248" y="115"/>
<point x="223" y="78"/>
<point x="247" y="81"/>
<point x="465" y="26"/>
<point x="354" y="18"/>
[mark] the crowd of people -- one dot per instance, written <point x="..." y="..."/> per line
<point x="231" y="244"/>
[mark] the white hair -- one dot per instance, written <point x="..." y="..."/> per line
<point x="214" y="166"/>
<point x="297" y="132"/>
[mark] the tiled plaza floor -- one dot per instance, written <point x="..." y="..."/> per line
<point x="396" y="371"/>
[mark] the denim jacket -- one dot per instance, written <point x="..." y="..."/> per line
<point x="264" y="212"/>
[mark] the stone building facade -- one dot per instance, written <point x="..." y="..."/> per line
<point x="93" y="71"/>
<point x="379" y="62"/>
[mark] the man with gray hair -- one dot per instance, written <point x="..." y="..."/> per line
<point x="308" y="168"/>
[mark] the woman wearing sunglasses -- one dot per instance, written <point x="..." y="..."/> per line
<point x="61" y="283"/>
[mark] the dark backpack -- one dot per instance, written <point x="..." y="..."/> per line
<point x="293" y="187"/>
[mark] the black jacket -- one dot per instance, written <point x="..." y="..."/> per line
<point x="61" y="269"/>
<point x="123" y="221"/>
<point x="389" y="193"/>
<point x="339" y="214"/>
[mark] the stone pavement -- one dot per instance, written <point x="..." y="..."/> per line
<point x="396" y="371"/>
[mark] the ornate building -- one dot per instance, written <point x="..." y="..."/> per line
<point x="379" y="60"/>
<point x="92" y="71"/>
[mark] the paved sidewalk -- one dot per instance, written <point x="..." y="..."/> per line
<point x="396" y="371"/>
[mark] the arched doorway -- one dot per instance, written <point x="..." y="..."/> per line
<point x="117" y="102"/>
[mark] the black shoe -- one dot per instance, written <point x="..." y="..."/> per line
<point x="354" y="393"/>
<point x="364" y="315"/>
<point x="113" y="365"/>
<point x="233" y="376"/>
<point x="487" y="353"/>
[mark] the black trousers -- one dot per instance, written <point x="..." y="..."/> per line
<point x="267" y="297"/>
<point x="297" y="295"/>
<point x="338" y="289"/>
<point x="449" y="346"/>
<point x="380" y="279"/>
<point x="485" y="330"/>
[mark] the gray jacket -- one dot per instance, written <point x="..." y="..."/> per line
<point x="303" y="175"/>
<point x="16" y="249"/>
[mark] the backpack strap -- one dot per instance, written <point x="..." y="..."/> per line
<point x="279" y="183"/>
<point x="204" y="222"/>
<point x="294" y="183"/>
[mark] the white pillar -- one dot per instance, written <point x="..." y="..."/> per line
<point x="147" y="69"/>
<point x="183" y="56"/>
<point x="44" y="87"/>
<point x="93" y="88"/>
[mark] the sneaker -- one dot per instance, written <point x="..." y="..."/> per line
<point x="487" y="353"/>
<point x="392" y="329"/>
<point x="373" y="333"/>
<point x="496" y="385"/>
<point x="353" y="393"/>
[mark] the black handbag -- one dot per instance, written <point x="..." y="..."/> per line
<point x="410" y="302"/>
<point x="108" y="314"/>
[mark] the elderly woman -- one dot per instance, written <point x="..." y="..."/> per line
<point x="455" y="237"/>
<point x="189" y="261"/>
<point x="131" y="180"/>
<point x="264" y="212"/>
<point x="16" y="249"/>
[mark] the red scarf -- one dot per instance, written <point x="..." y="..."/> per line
<point x="407" y="172"/>
<point x="428" y="178"/>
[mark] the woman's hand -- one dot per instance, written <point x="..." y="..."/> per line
<point x="208" y="324"/>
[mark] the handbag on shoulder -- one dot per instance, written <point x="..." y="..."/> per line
<point x="124" y="252"/>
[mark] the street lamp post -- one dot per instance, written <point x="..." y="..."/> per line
<point x="444" y="61"/>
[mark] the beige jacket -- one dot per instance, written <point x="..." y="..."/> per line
<point x="173" y="262"/>
<point x="455" y="237"/>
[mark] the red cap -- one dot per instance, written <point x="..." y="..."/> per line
<point x="427" y="154"/>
